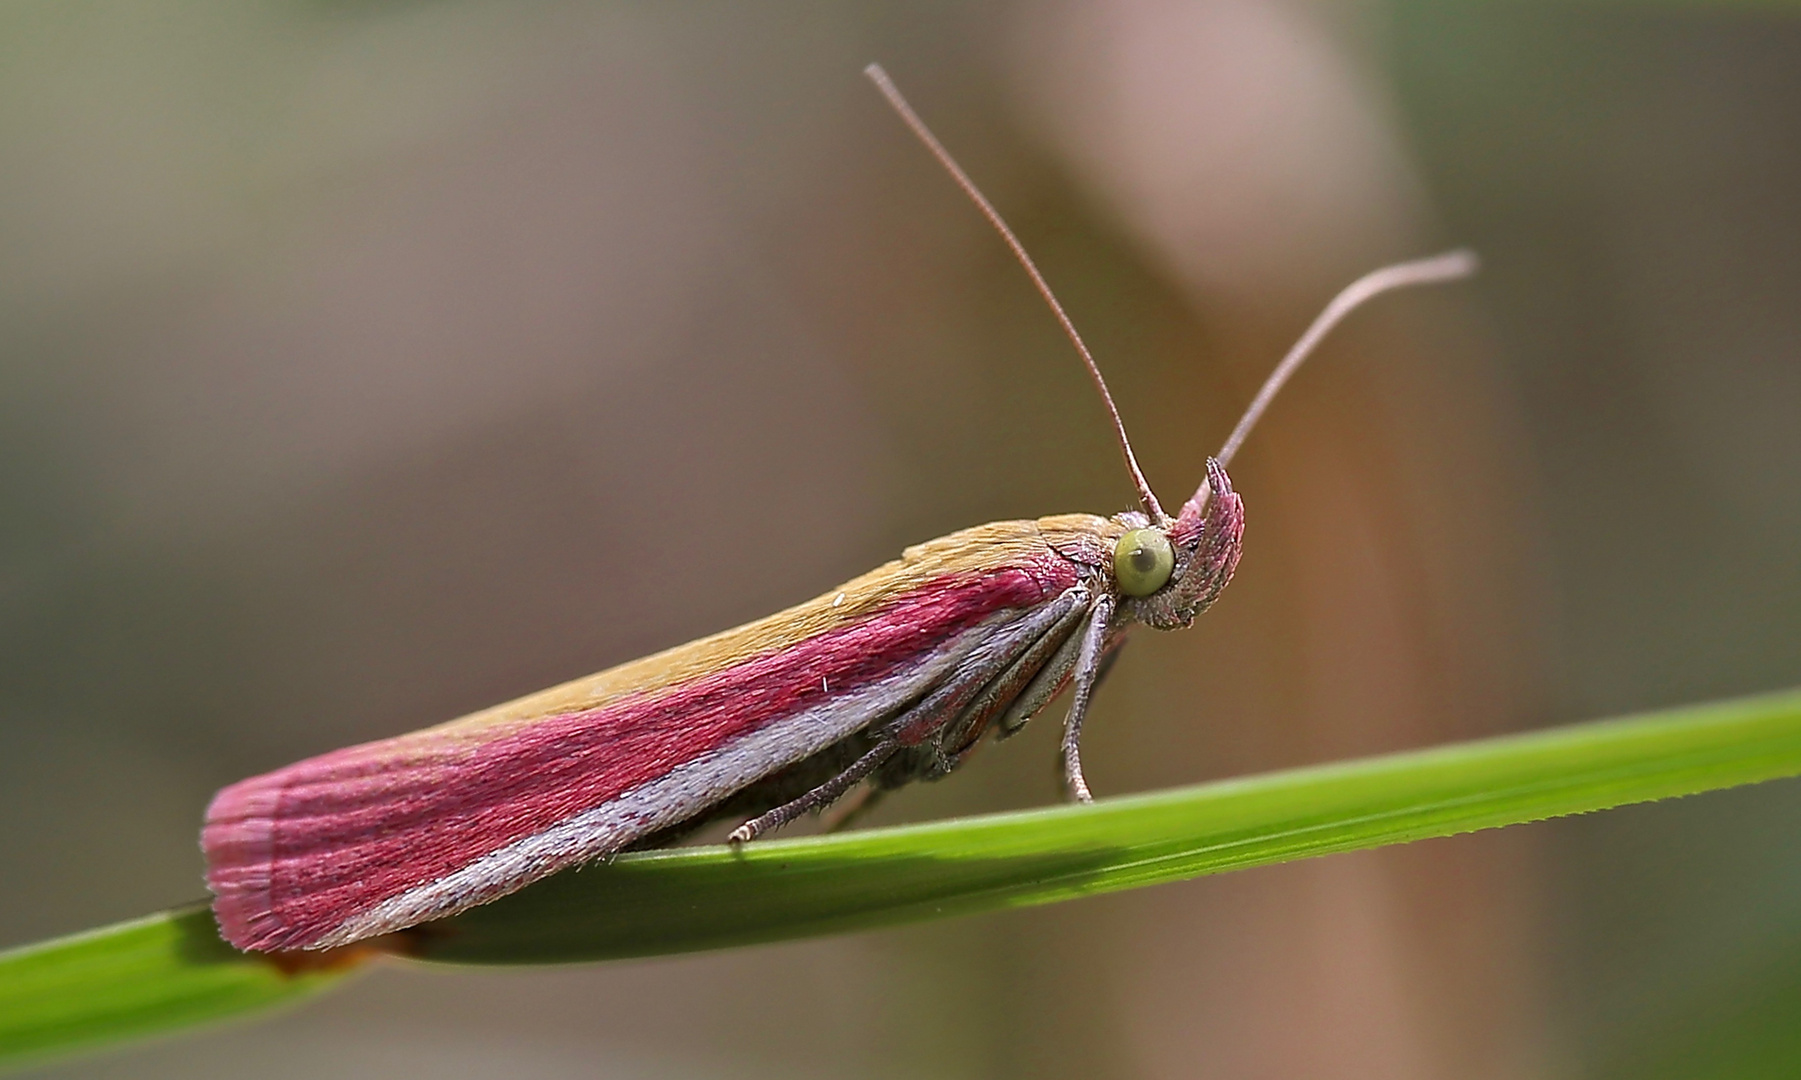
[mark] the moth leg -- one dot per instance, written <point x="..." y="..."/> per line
<point x="929" y="719"/>
<point x="1108" y="659"/>
<point x="854" y="810"/>
<point x="1043" y="687"/>
<point x="1088" y="669"/>
<point x="962" y="734"/>
<point x="823" y="795"/>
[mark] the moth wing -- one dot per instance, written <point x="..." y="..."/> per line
<point x="375" y="838"/>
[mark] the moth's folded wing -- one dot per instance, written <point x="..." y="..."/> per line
<point x="379" y="837"/>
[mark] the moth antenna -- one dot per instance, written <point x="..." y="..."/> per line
<point x="918" y="126"/>
<point x="1450" y="266"/>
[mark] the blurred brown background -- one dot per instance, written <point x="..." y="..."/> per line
<point x="365" y="364"/>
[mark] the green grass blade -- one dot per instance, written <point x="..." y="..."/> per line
<point x="704" y="898"/>
<point x="145" y="977"/>
<point x="168" y="972"/>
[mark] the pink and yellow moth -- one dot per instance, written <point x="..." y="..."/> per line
<point x="893" y="677"/>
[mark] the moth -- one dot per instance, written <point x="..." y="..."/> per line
<point x="893" y="677"/>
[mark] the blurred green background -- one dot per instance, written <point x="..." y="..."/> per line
<point x="365" y="364"/>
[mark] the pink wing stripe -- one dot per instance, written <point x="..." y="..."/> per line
<point x="295" y="853"/>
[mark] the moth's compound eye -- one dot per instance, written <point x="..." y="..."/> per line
<point x="1142" y="562"/>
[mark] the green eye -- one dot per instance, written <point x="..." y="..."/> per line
<point x="1142" y="562"/>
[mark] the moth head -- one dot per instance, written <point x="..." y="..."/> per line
<point x="1168" y="575"/>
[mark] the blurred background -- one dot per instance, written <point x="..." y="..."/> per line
<point x="364" y="364"/>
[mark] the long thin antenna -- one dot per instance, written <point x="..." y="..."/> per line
<point x="1447" y="267"/>
<point x="893" y="94"/>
